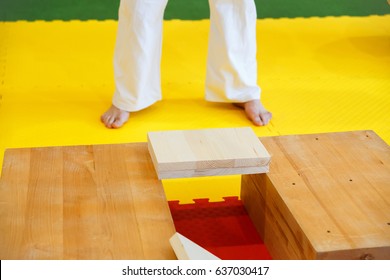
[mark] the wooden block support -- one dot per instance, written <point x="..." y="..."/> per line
<point x="327" y="196"/>
<point x="185" y="249"/>
<point x="207" y="152"/>
<point x="83" y="202"/>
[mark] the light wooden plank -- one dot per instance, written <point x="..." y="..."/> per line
<point x="80" y="217"/>
<point x="212" y="172"/>
<point x="83" y="202"/>
<point x="207" y="152"/>
<point x="185" y="249"/>
<point x="9" y="210"/>
<point x="327" y="196"/>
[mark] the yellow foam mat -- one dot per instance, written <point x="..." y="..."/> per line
<point x="317" y="75"/>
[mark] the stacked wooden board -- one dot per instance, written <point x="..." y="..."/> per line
<point x="207" y="152"/>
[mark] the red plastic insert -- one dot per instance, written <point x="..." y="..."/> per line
<point x="223" y="228"/>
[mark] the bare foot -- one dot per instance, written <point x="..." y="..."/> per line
<point x="256" y="112"/>
<point x="114" y="117"/>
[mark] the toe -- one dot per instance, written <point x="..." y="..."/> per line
<point x="120" y="120"/>
<point x="117" y="123"/>
<point x="255" y="118"/>
<point x="258" y="121"/>
<point x="104" y="119"/>
<point x="265" y="117"/>
<point x="256" y="112"/>
<point x="114" y="117"/>
<point x="109" y="121"/>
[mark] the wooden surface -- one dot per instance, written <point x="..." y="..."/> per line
<point x="327" y="196"/>
<point x="207" y="152"/>
<point x="186" y="249"/>
<point x="84" y="202"/>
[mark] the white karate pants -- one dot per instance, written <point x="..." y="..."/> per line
<point x="231" y="63"/>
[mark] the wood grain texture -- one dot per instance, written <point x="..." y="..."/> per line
<point x="83" y="202"/>
<point x="327" y="196"/>
<point x="207" y="152"/>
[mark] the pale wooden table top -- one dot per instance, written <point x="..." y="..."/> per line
<point x="83" y="202"/>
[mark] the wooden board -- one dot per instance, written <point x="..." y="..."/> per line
<point x="185" y="249"/>
<point x="327" y="196"/>
<point x="207" y="152"/>
<point x="83" y="202"/>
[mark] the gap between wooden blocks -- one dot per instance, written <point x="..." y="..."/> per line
<point x="205" y="152"/>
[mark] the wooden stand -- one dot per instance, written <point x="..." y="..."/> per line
<point x="84" y="202"/>
<point x="327" y="196"/>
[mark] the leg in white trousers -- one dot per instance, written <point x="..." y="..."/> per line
<point x="231" y="64"/>
<point x="138" y="54"/>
